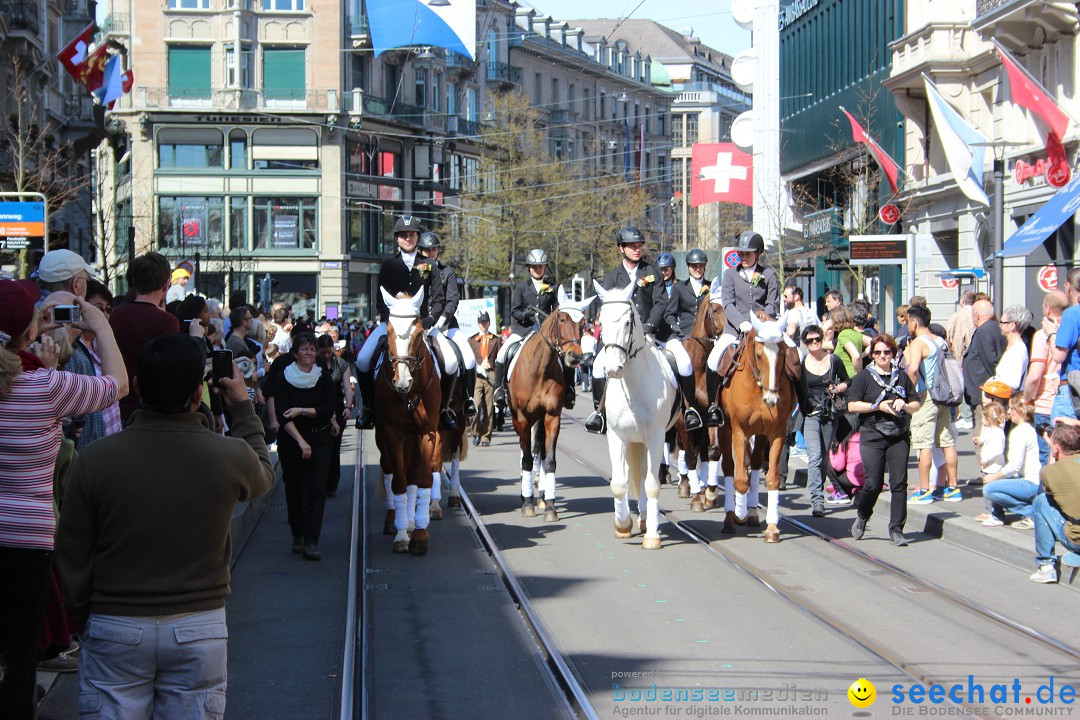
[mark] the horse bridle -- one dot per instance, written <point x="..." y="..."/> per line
<point x="633" y="319"/>
<point x="757" y="373"/>
<point x="414" y="363"/>
<point x="558" y="345"/>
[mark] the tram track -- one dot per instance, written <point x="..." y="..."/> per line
<point x="836" y="624"/>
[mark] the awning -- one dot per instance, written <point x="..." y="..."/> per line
<point x="960" y="273"/>
<point x="1042" y="224"/>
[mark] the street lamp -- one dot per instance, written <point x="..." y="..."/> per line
<point x="998" y="211"/>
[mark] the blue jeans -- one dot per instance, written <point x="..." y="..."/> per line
<point x="161" y="667"/>
<point x="1044" y="447"/>
<point x="819" y="437"/>
<point x="1015" y="494"/>
<point x="1062" y="406"/>
<point x="1049" y="526"/>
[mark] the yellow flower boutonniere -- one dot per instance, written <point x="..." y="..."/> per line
<point x="756" y="279"/>
<point x="424" y="270"/>
<point x="545" y="289"/>
<point x="647" y="280"/>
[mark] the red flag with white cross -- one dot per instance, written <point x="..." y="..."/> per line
<point x="721" y="172"/>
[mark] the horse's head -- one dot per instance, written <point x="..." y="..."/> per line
<point x="405" y="337"/>
<point x="620" y="329"/>
<point x="768" y="343"/>
<point x="563" y="327"/>
<point x="715" y="319"/>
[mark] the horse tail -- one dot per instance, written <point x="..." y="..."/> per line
<point x="539" y="439"/>
<point x="635" y="465"/>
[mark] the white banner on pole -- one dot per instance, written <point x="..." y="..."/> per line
<point x="469" y="310"/>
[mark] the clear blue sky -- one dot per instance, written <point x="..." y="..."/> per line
<point x="711" y="20"/>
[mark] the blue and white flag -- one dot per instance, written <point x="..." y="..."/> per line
<point x="408" y="23"/>
<point x="957" y="137"/>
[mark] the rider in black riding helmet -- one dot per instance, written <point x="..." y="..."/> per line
<point x="443" y="326"/>
<point x="648" y="298"/>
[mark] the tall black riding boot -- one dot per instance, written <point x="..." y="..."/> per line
<point x="447" y="417"/>
<point x="571" y="392"/>
<point x="714" y="416"/>
<point x="596" y="422"/>
<point x="470" y="390"/>
<point x="500" y="384"/>
<point x="366" y="383"/>
<point x="691" y="417"/>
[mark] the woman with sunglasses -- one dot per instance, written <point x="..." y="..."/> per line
<point x="823" y="378"/>
<point x="884" y="398"/>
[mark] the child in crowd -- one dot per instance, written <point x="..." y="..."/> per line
<point x="992" y="439"/>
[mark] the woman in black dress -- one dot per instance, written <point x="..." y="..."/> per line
<point x="304" y="401"/>
<point x="884" y="398"/>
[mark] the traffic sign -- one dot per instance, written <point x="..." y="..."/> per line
<point x="889" y="214"/>
<point x="731" y="258"/>
<point x="1048" y="278"/>
<point x="1058" y="176"/>
<point x="22" y="225"/>
<point x="950" y="283"/>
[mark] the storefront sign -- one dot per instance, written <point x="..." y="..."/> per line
<point x="794" y="10"/>
<point x="286" y="230"/>
<point x="331" y="265"/>
<point x="950" y="283"/>
<point x="821" y="225"/>
<point x="193" y="219"/>
<point x="1057" y="176"/>
<point x="877" y="249"/>
<point x="889" y="214"/>
<point x="1048" y="278"/>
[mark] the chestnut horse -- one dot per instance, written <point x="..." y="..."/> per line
<point x="408" y="395"/>
<point x="700" y="446"/>
<point x="537" y="386"/>
<point x="758" y="404"/>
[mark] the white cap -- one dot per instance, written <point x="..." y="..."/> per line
<point x="61" y="265"/>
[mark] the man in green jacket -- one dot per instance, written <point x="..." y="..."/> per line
<point x="143" y="548"/>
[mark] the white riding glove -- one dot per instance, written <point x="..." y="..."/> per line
<point x="441" y="323"/>
<point x="745" y="327"/>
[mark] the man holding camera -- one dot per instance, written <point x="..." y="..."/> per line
<point x="143" y="556"/>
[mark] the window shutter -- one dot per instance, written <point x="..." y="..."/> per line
<point x="189" y="72"/>
<point x="283" y="74"/>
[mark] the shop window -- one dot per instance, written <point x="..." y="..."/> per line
<point x="191" y="223"/>
<point x="286" y="223"/>
<point x="285" y="149"/>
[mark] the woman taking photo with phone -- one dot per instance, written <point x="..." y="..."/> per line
<point x="884" y="398"/>
<point x="304" y="401"/>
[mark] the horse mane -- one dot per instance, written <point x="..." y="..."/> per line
<point x="702" y="314"/>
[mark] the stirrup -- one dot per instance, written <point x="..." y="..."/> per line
<point x="714" y="416"/>
<point x="568" y="399"/>
<point x="448" y="420"/>
<point x="595" y="423"/>
<point x="364" y="421"/>
<point x="470" y="407"/>
<point x="500" y="396"/>
<point x="691" y="419"/>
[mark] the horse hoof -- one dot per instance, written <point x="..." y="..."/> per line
<point x="650" y="543"/>
<point x="541" y="504"/>
<point x="752" y="519"/>
<point x="772" y="534"/>
<point x="712" y="497"/>
<point x="401" y="546"/>
<point x="454" y="501"/>
<point x="624" y="533"/>
<point x="528" y="508"/>
<point x="684" y="487"/>
<point x="729" y="524"/>
<point x="418" y="543"/>
<point x="435" y="512"/>
<point x="696" y="505"/>
<point x="550" y="515"/>
<point x="388" y="524"/>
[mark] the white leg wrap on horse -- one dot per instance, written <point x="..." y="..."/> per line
<point x="695" y="481"/>
<point x="549" y="486"/>
<point x="740" y="505"/>
<point x="387" y="481"/>
<point x="729" y="494"/>
<point x="423" y="507"/>
<point x="683" y="470"/>
<point x="401" y="516"/>
<point x="772" y="512"/>
<point x="714" y="473"/>
<point x="755" y="485"/>
<point x="436" y="486"/>
<point x="455" y="474"/>
<point x="526" y="484"/>
<point x="652" y="517"/>
<point x="622" y="511"/>
<point x="410" y="506"/>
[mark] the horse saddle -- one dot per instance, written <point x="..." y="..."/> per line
<point x="729" y="360"/>
<point x="440" y="361"/>
<point x="672" y="363"/>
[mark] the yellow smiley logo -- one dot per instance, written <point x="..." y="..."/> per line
<point x="862" y="693"/>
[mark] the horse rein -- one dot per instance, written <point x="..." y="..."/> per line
<point x="558" y="345"/>
<point x="633" y="321"/>
<point x="414" y="363"/>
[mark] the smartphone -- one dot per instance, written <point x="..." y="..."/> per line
<point x="187" y="325"/>
<point x="66" y="314"/>
<point x="221" y="365"/>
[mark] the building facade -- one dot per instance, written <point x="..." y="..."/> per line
<point x="262" y="137"/>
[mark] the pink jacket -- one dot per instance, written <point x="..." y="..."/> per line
<point x="847" y="459"/>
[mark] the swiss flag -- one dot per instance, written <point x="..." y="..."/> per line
<point x="884" y="161"/>
<point x="1026" y="92"/>
<point x="74" y="55"/>
<point x="721" y="172"/>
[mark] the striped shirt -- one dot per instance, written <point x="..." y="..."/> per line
<point x="30" y="418"/>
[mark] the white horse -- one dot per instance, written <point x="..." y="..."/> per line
<point x="639" y="401"/>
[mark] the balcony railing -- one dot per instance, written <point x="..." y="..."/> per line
<point x="237" y="99"/>
<point x="358" y="26"/>
<point x="21" y="15"/>
<point x="504" y="73"/>
<point x="461" y="126"/>
<point x="115" y="24"/>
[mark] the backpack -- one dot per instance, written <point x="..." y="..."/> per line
<point x="948" y="386"/>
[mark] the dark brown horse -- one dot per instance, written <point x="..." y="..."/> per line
<point x="758" y="404"/>
<point x="454" y="450"/>
<point x="700" y="446"/>
<point x="408" y="395"/>
<point x="537" y="388"/>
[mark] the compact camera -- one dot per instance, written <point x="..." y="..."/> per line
<point x="66" y="314"/>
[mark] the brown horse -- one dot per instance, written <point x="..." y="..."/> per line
<point x="758" y="404"/>
<point x="454" y="450"/>
<point x="700" y="446"/>
<point x="537" y="387"/>
<point x="408" y="395"/>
